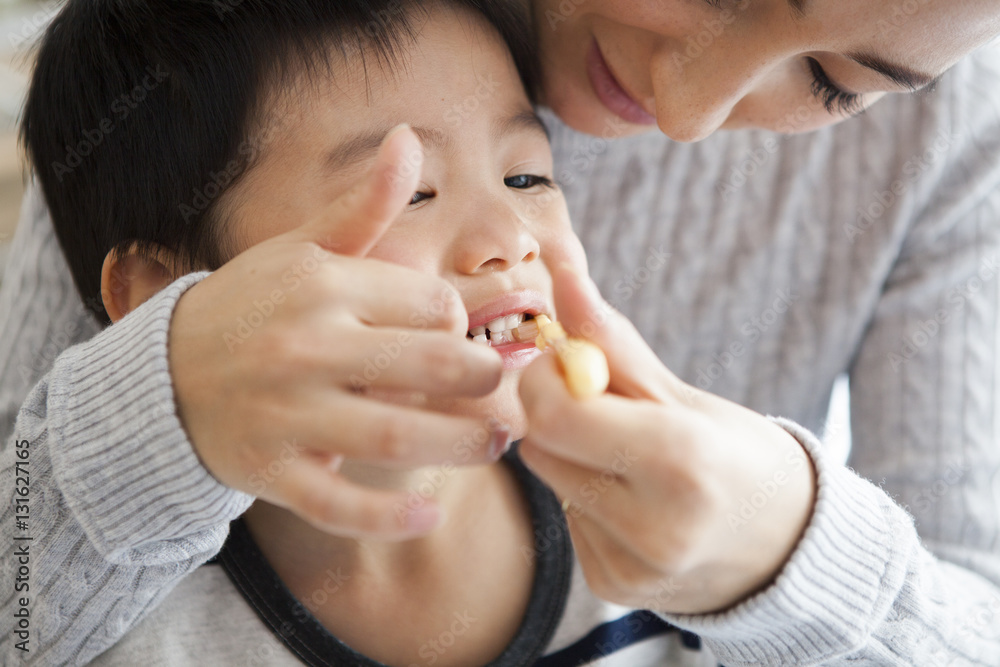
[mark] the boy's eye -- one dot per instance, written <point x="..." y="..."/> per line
<point x="419" y="197"/>
<point x="525" y="181"/>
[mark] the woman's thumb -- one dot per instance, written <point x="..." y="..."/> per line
<point x="356" y="220"/>
<point x="636" y="371"/>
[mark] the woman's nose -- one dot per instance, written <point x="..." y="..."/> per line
<point x="494" y="238"/>
<point x="697" y="88"/>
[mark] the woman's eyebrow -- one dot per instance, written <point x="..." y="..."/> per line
<point x="898" y="74"/>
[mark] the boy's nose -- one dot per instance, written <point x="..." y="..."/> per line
<point x="495" y="239"/>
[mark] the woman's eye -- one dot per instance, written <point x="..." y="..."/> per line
<point x="419" y="197"/>
<point x="833" y="98"/>
<point x="526" y="181"/>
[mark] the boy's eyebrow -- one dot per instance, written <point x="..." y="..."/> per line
<point x="363" y="145"/>
<point x="523" y="120"/>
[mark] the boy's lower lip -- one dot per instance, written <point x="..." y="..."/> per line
<point x="517" y="355"/>
<point x="610" y="92"/>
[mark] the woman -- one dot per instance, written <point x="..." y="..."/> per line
<point x="759" y="267"/>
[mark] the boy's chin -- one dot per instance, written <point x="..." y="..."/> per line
<point x="503" y="404"/>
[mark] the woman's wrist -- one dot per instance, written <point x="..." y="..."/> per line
<point x="843" y="575"/>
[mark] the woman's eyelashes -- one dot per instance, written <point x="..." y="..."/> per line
<point x="518" y="182"/>
<point x="833" y="98"/>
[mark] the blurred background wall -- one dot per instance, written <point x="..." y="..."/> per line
<point x="21" y="22"/>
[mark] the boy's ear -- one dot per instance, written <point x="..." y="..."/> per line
<point x="128" y="279"/>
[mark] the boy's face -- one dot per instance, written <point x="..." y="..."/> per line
<point x="482" y="218"/>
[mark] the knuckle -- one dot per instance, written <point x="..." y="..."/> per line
<point x="371" y="519"/>
<point x="444" y="365"/>
<point x="627" y="579"/>
<point x="319" y="510"/>
<point x="392" y="439"/>
<point x="546" y="416"/>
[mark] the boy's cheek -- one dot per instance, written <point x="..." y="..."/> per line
<point x="405" y="251"/>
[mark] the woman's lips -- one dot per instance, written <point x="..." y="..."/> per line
<point x="611" y="93"/>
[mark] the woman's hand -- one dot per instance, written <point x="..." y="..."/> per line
<point x="277" y="358"/>
<point x="677" y="500"/>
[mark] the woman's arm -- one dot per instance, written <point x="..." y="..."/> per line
<point x="863" y="584"/>
<point x="40" y="312"/>
<point x="105" y="503"/>
<point x="123" y="502"/>
<point x="906" y="572"/>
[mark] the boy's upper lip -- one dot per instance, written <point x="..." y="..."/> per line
<point x="509" y="303"/>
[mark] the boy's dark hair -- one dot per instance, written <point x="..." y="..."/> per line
<point x="140" y="112"/>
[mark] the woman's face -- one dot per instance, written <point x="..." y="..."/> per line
<point x="618" y="67"/>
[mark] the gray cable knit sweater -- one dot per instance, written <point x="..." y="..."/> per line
<point x="758" y="266"/>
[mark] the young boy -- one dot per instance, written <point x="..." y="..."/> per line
<point x="279" y="104"/>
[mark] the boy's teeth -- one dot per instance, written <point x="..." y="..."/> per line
<point x="499" y="324"/>
<point x="497" y="331"/>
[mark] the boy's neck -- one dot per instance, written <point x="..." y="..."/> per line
<point x="291" y="540"/>
<point x="472" y="564"/>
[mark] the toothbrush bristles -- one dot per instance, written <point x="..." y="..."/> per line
<point x="526" y="331"/>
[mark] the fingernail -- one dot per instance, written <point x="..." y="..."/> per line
<point x="424" y="519"/>
<point x="499" y="439"/>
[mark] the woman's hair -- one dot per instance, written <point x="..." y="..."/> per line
<point x="141" y="113"/>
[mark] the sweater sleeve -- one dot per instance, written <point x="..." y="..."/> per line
<point x="41" y="313"/>
<point x="117" y="506"/>
<point x="905" y="569"/>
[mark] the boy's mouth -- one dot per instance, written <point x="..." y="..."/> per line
<point x="499" y="331"/>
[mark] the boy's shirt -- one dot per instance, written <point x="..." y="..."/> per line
<point x="235" y="610"/>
